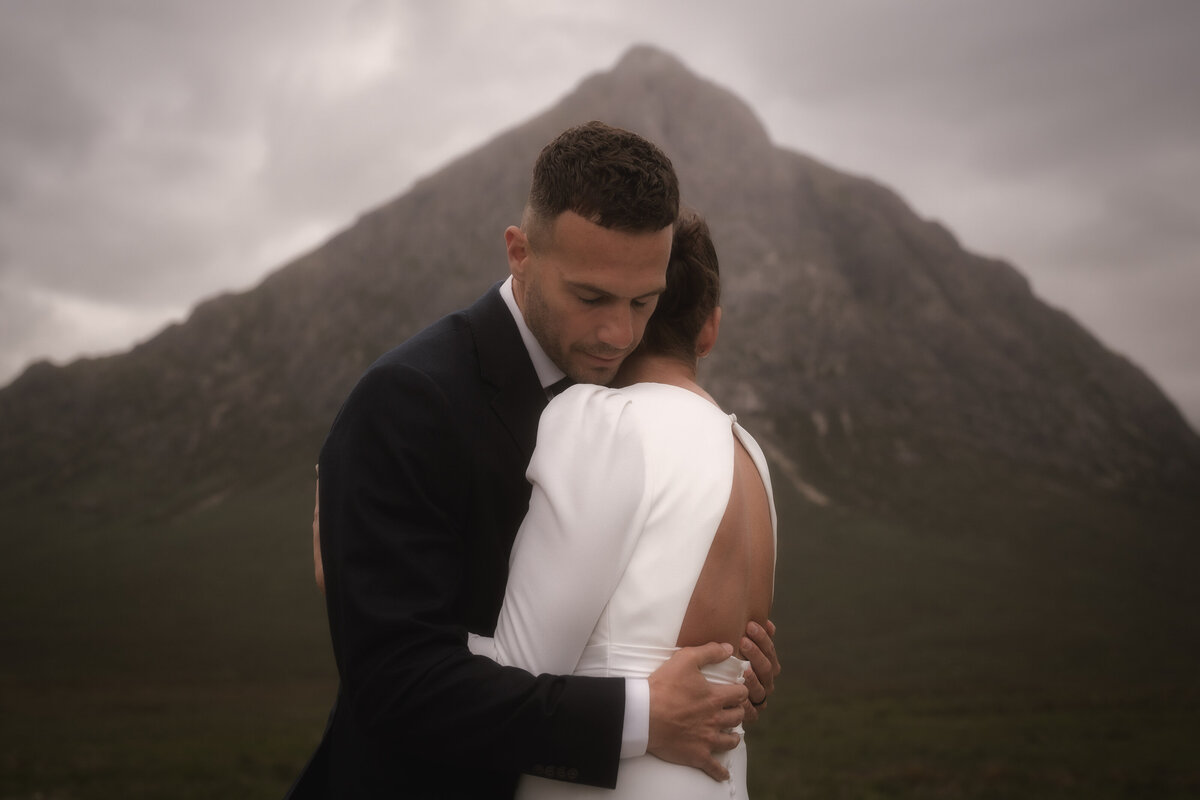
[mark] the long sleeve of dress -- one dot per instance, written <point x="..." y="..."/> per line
<point x="588" y="506"/>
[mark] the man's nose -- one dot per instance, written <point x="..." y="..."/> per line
<point x="617" y="330"/>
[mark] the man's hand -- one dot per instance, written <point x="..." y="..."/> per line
<point x="318" y="567"/>
<point x="690" y="718"/>
<point x="758" y="647"/>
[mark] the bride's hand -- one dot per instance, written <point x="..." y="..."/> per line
<point x="758" y="647"/>
<point x="690" y="718"/>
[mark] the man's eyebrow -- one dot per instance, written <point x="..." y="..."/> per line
<point x="587" y="287"/>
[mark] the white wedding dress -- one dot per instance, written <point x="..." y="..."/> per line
<point x="629" y="486"/>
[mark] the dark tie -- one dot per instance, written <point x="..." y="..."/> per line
<point x="557" y="388"/>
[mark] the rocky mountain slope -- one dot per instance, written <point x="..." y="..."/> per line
<point x="870" y="351"/>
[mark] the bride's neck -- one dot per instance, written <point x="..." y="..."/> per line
<point x="647" y="368"/>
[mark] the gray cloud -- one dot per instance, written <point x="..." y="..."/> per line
<point x="1063" y="137"/>
<point x="154" y="153"/>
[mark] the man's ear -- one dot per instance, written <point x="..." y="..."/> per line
<point x="517" y="245"/>
<point x="707" y="339"/>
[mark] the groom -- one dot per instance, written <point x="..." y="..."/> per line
<point x="423" y="488"/>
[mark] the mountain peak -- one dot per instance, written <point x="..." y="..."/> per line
<point x="643" y="58"/>
<point x="709" y="132"/>
<point x="862" y="341"/>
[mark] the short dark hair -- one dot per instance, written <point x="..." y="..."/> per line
<point x="609" y="176"/>
<point x="693" y="291"/>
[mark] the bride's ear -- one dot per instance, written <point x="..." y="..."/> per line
<point x="707" y="339"/>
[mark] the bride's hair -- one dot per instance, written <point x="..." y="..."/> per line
<point x="693" y="291"/>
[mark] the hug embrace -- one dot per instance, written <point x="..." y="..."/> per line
<point x="548" y="554"/>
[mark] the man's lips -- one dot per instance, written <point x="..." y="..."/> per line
<point x="608" y="360"/>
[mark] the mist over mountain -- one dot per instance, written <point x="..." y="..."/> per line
<point x="869" y="351"/>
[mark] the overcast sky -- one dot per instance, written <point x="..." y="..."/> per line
<point x="155" y="152"/>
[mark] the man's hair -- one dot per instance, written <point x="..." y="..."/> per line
<point x="608" y="176"/>
<point x="693" y="291"/>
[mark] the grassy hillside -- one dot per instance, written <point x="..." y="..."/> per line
<point x="978" y="656"/>
<point x="183" y="656"/>
<point x="959" y="654"/>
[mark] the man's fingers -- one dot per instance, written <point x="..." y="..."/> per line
<point x="759" y="649"/>
<point x="731" y="695"/>
<point x="759" y="661"/>
<point x="763" y="638"/>
<point x="722" y="743"/>
<point x="711" y="653"/>
<point x="697" y="716"/>
<point x="713" y="769"/>
<point x="763" y="644"/>
<point x="753" y="683"/>
<point x="751" y="713"/>
<point x="731" y="717"/>
<point x="726" y="741"/>
<point x="754" y="686"/>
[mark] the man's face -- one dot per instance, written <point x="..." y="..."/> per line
<point x="588" y="291"/>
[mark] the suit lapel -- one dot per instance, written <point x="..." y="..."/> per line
<point x="504" y="367"/>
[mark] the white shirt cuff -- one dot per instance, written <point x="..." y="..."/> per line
<point x="635" y="734"/>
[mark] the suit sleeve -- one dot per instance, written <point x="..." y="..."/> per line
<point x="393" y="538"/>
<point x="588" y="506"/>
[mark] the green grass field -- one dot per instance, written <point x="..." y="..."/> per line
<point x="972" y="654"/>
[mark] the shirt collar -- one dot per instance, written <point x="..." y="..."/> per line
<point x="547" y="371"/>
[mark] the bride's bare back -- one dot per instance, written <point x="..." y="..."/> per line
<point x="736" y="583"/>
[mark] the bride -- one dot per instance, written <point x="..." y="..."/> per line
<point x="651" y="527"/>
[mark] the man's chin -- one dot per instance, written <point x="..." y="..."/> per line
<point x="602" y="374"/>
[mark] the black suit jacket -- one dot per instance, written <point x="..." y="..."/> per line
<point x="422" y="491"/>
